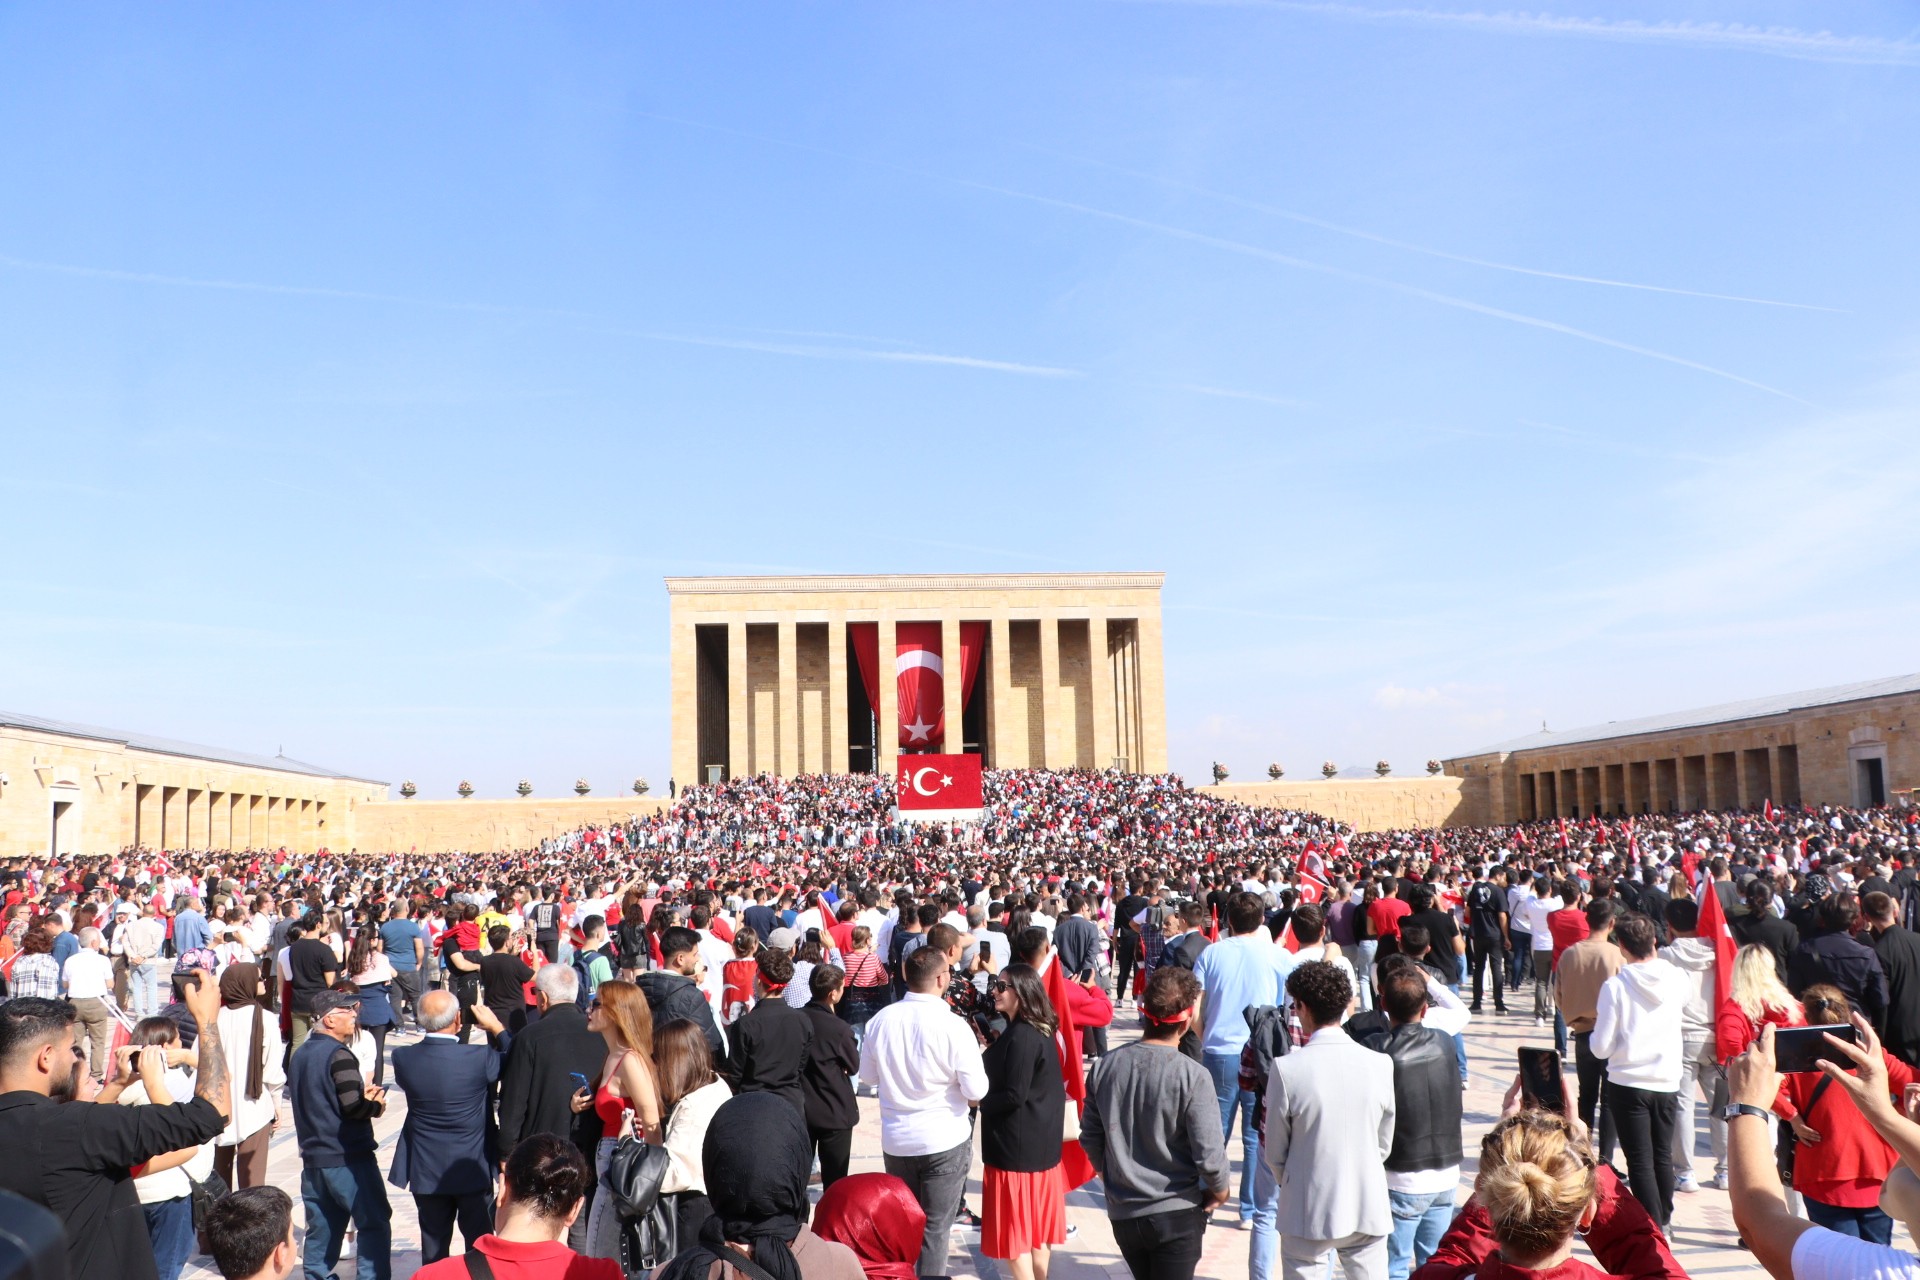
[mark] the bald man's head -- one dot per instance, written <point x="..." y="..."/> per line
<point x="439" y="1011"/>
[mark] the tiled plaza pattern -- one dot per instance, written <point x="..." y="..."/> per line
<point x="1703" y="1235"/>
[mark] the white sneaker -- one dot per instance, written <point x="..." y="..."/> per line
<point x="1719" y="1182"/>
<point x="1686" y="1182"/>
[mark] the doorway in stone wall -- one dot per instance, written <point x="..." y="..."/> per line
<point x="63" y="828"/>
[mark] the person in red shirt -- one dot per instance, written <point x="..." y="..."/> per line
<point x="1840" y="1162"/>
<point x="1385" y="912"/>
<point x="1568" y="925"/>
<point x="545" y="1184"/>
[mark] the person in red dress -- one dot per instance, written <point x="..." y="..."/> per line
<point x="1023" y="1191"/>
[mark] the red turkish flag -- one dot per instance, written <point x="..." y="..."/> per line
<point x="1713" y="925"/>
<point x="940" y="782"/>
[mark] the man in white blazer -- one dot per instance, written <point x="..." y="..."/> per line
<point x="1329" y="1129"/>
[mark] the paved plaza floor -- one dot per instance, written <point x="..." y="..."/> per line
<point x="1703" y="1237"/>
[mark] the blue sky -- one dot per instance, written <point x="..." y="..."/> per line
<point x="363" y="370"/>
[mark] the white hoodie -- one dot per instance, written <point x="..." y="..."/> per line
<point x="1636" y="1026"/>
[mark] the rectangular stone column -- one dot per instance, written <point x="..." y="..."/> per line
<point x="739" y="712"/>
<point x="1002" y="753"/>
<point x="683" y="710"/>
<point x="787" y="700"/>
<point x="1052" y="731"/>
<point x="1153" y="696"/>
<point x="950" y="685"/>
<point x="887" y="747"/>
<point x="837" y="757"/>
<point x="1104" y="733"/>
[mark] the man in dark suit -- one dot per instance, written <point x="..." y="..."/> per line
<point x="771" y="1043"/>
<point x="1899" y="950"/>
<point x="445" y="1155"/>
<point x="537" y="1084"/>
<point x="1076" y="939"/>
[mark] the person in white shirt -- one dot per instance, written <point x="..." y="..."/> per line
<point x="1536" y="909"/>
<point x="166" y="1192"/>
<point x="88" y="977"/>
<point x="1637" y="1028"/>
<point x="929" y="1072"/>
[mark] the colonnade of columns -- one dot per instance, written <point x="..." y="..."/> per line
<point x="788" y="682"/>
<point x="185" y="817"/>
<point x="1682" y="781"/>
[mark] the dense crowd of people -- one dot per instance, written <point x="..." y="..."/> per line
<point x="632" y="1050"/>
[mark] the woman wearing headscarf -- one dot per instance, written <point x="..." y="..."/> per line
<point x="876" y="1216"/>
<point x="756" y="1158"/>
<point x="251" y="1042"/>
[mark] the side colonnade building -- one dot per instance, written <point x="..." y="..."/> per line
<point x="776" y="675"/>
<point x="1851" y="745"/>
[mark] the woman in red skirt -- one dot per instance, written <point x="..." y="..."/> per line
<point x="1024" y="1196"/>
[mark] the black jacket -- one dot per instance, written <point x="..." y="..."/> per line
<point x="1769" y="931"/>
<point x="1899" y="952"/>
<point x="832" y="1060"/>
<point x="1426" y="1097"/>
<point x="1025" y="1108"/>
<point x="1849" y="965"/>
<point x="76" y="1157"/>
<point x="536" y="1087"/>
<point x="770" y="1046"/>
<point x="674" y="997"/>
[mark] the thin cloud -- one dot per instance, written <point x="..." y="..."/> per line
<point x="1446" y="300"/>
<point x="1234" y="246"/>
<point x="1778" y="42"/>
<point x="1228" y="393"/>
<point x="897" y="353"/>
<point x="1428" y="250"/>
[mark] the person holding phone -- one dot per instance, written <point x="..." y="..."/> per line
<point x="1839" y="1162"/>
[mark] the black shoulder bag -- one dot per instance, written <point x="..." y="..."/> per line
<point x="1785" y="1143"/>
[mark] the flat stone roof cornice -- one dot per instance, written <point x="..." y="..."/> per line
<point x="843" y="583"/>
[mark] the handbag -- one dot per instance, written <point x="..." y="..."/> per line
<point x="204" y="1195"/>
<point x="649" y="1234"/>
<point x="1070" y="1122"/>
<point x="1785" y="1144"/>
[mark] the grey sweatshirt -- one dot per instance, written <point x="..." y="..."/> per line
<point x="1151" y="1128"/>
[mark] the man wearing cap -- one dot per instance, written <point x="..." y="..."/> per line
<point x="333" y="1113"/>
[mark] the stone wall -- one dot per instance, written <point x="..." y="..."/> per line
<point x="485" y="826"/>
<point x="1371" y="804"/>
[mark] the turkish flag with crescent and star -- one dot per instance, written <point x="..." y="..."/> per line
<point x="940" y="782"/>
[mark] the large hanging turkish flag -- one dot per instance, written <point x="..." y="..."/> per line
<point x="920" y="673"/>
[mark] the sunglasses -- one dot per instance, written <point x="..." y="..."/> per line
<point x="997" y="985"/>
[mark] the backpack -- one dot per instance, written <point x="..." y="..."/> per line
<point x="583" y="969"/>
<point x="1268" y="1037"/>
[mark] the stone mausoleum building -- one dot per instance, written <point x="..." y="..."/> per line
<point x="1853" y="744"/>
<point x="792" y="675"/>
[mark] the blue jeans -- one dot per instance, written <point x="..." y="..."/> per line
<point x="1265" y="1246"/>
<point x="1418" y="1223"/>
<point x="1225" y="1070"/>
<point x="1361" y="956"/>
<point x="334" y="1197"/>
<point x="1862" y="1224"/>
<point x="143" y="990"/>
<point x="170" y="1228"/>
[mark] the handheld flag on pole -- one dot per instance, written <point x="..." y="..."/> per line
<point x="1074" y="1165"/>
<point x="1713" y="925"/>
